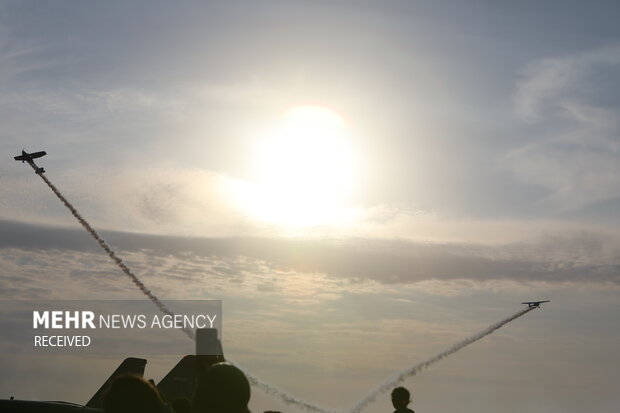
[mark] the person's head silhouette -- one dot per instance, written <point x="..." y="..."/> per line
<point x="223" y="388"/>
<point x="132" y="394"/>
<point x="400" y="398"/>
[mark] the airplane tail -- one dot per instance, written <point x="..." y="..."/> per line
<point x="130" y="365"/>
<point x="180" y="381"/>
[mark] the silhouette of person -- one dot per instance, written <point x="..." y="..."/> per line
<point x="400" y="399"/>
<point x="223" y="388"/>
<point x="132" y="394"/>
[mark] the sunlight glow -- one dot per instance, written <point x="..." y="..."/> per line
<point x="306" y="170"/>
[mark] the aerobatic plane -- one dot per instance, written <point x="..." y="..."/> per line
<point x="536" y="304"/>
<point x="28" y="157"/>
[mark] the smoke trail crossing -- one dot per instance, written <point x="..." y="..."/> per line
<point x="412" y="371"/>
<point x="269" y="389"/>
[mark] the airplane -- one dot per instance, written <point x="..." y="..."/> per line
<point x="178" y="383"/>
<point x="130" y="365"/>
<point x="28" y="157"/>
<point x="536" y="304"/>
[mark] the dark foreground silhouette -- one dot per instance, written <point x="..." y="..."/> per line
<point x="213" y="385"/>
<point x="223" y="388"/>
<point x="400" y="400"/>
<point x="132" y="394"/>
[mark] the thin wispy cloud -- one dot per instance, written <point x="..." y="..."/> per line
<point x="576" y="156"/>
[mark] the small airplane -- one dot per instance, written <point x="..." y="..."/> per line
<point x="536" y="304"/>
<point x="28" y="157"/>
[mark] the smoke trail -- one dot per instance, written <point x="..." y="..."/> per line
<point x="269" y="389"/>
<point x="412" y="371"/>
<point x="112" y="255"/>
<point x="285" y="397"/>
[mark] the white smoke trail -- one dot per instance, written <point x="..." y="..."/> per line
<point x="267" y="388"/>
<point x="412" y="371"/>
<point x="271" y="390"/>
<point x="112" y="255"/>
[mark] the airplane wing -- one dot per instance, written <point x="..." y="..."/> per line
<point x="30" y="156"/>
<point x="37" y="154"/>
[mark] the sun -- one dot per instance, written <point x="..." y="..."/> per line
<point x="306" y="169"/>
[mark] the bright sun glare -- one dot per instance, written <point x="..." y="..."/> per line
<point x="306" y="169"/>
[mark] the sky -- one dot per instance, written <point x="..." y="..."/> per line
<point x="362" y="183"/>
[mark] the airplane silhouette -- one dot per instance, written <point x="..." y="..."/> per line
<point x="28" y="157"/>
<point x="536" y="304"/>
<point x="178" y="383"/>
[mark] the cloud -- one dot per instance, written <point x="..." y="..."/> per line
<point x="314" y="270"/>
<point x="157" y="200"/>
<point x="548" y="83"/>
<point x="575" y="152"/>
<point x="182" y="201"/>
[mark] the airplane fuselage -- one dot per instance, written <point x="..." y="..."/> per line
<point x="28" y="157"/>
